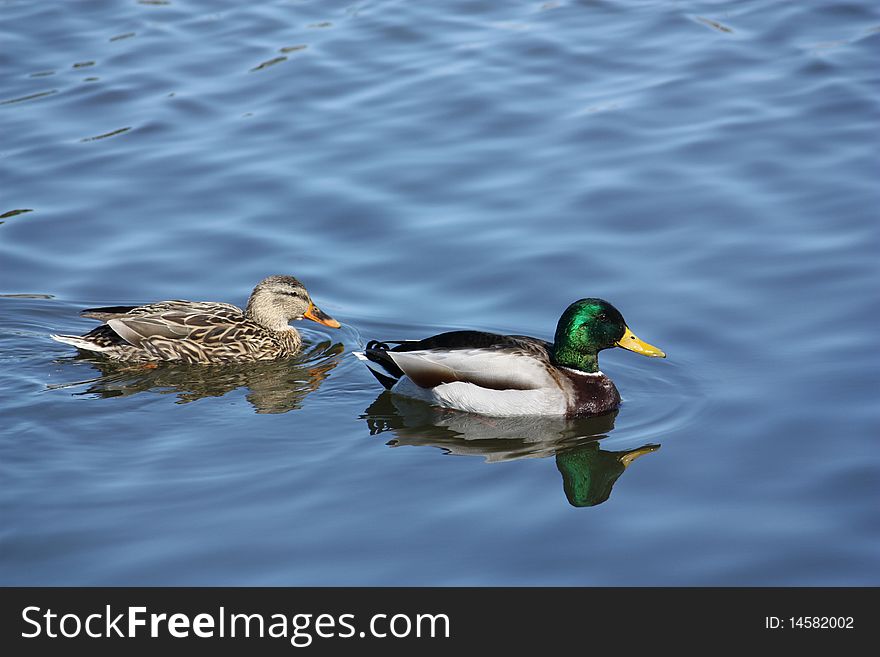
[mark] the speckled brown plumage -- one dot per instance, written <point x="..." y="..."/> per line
<point x="204" y="331"/>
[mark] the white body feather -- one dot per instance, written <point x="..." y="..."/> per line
<point x="78" y="342"/>
<point x="494" y="382"/>
<point x="486" y="401"/>
<point x="495" y="368"/>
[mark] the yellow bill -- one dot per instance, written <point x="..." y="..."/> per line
<point x="632" y="455"/>
<point x="317" y="315"/>
<point x="630" y="342"/>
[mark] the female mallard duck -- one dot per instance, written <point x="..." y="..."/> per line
<point x="512" y="374"/>
<point x="204" y="331"/>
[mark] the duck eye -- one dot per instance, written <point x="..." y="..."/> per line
<point x="290" y="293"/>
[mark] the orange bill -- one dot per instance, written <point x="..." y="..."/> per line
<point x="317" y="315"/>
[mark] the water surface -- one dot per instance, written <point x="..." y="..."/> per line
<point x="708" y="167"/>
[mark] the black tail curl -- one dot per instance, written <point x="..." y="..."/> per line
<point x="376" y="352"/>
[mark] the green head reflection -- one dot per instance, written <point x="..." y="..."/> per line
<point x="589" y="473"/>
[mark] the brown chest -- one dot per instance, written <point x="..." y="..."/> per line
<point x="590" y="394"/>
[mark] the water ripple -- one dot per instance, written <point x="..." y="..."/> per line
<point x="708" y="168"/>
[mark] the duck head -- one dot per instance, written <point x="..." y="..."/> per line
<point x="590" y="325"/>
<point x="278" y="300"/>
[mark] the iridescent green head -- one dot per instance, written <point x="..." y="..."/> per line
<point x="587" y="327"/>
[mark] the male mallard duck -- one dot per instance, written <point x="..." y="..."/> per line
<point x="505" y="375"/>
<point x="204" y="331"/>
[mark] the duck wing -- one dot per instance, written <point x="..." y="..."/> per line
<point x="113" y="312"/>
<point x="203" y="322"/>
<point x="107" y="312"/>
<point x="488" y="360"/>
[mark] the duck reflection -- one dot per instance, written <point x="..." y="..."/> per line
<point x="588" y="472"/>
<point x="273" y="386"/>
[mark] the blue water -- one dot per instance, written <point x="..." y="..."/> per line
<point x="711" y="168"/>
